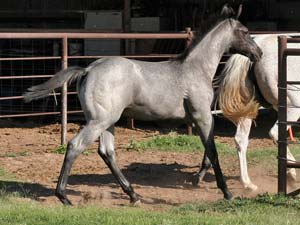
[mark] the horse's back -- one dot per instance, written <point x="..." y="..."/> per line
<point x="266" y="70"/>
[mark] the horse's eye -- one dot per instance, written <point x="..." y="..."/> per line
<point x="245" y="32"/>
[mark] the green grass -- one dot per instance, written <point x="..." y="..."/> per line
<point x="265" y="209"/>
<point x="175" y="142"/>
<point x="62" y="149"/>
<point x="295" y="149"/>
<point x="6" y="176"/>
<point x="268" y="156"/>
<point x="258" y="155"/>
<point x="189" y="143"/>
<point x="15" y="154"/>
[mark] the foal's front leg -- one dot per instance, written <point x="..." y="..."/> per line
<point x="107" y="153"/>
<point x="203" y="120"/>
<point x="205" y="166"/>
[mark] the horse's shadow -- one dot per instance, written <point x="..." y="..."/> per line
<point x="144" y="174"/>
<point x="27" y="190"/>
<point x="148" y="174"/>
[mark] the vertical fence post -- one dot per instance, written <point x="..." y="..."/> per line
<point x="282" y="115"/>
<point x="64" y="90"/>
<point x="127" y="45"/>
<point x="127" y="24"/>
<point x="189" y="40"/>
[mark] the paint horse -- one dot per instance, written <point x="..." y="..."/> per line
<point x="241" y="92"/>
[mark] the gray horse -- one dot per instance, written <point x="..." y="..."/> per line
<point x="175" y="89"/>
<point x="241" y="93"/>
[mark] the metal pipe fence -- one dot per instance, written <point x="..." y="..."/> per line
<point x="64" y="59"/>
<point x="283" y="163"/>
<point x="51" y="62"/>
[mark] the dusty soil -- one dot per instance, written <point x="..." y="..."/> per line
<point x="159" y="177"/>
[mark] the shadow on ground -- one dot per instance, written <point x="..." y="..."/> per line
<point x="28" y="190"/>
<point x="155" y="175"/>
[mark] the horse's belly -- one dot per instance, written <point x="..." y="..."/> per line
<point x="146" y="113"/>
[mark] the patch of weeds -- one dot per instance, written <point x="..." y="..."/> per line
<point x="5" y="176"/>
<point x="259" y="155"/>
<point x="2" y="172"/>
<point x="89" y="152"/>
<point x="240" y="204"/>
<point x="169" y="142"/>
<point x="175" y="142"/>
<point x="62" y="149"/>
<point x="4" y="195"/>
<point x="15" y="154"/>
<point x="14" y="191"/>
<point x="295" y="149"/>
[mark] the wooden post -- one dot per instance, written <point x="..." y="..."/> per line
<point x="64" y="90"/>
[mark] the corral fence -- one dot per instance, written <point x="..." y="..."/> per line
<point x="49" y="52"/>
<point x="29" y="57"/>
<point x="283" y="163"/>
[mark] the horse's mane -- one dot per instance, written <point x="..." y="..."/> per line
<point x="205" y="28"/>
<point x="198" y="36"/>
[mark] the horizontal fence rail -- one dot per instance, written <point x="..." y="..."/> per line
<point x="64" y="59"/>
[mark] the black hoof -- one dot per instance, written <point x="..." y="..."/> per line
<point x="134" y="199"/>
<point x="228" y="195"/>
<point x="63" y="198"/>
<point x="195" y="180"/>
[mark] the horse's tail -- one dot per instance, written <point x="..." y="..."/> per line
<point x="67" y="75"/>
<point x="236" y="91"/>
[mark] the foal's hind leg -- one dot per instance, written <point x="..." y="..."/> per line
<point x="107" y="153"/>
<point x="206" y="133"/>
<point x="85" y="137"/>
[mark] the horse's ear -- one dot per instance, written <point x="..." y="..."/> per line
<point x="227" y="11"/>
<point x="239" y="11"/>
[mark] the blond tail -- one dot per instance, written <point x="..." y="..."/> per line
<point x="236" y="91"/>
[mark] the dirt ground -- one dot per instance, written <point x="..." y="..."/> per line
<point x="159" y="177"/>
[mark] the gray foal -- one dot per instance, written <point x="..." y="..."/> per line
<point x="174" y="89"/>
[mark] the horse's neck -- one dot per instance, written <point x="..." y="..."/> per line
<point x="206" y="56"/>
